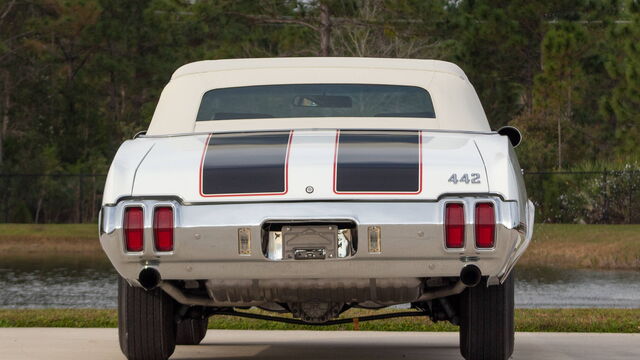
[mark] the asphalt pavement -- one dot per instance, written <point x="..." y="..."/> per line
<point x="99" y="344"/>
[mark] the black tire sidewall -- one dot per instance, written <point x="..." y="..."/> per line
<point x="146" y="323"/>
<point x="487" y="321"/>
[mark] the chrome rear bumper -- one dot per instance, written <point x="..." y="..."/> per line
<point x="206" y="240"/>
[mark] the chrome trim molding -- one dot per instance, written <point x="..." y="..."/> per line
<point x="144" y="136"/>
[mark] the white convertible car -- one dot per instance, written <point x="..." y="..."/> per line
<point x="309" y="186"/>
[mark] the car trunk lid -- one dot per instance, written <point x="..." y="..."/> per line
<point x="312" y="165"/>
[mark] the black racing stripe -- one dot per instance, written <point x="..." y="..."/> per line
<point x="378" y="161"/>
<point x="247" y="163"/>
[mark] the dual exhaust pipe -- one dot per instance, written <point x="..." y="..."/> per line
<point x="470" y="275"/>
<point x="149" y="278"/>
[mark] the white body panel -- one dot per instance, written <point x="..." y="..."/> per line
<point x="172" y="165"/>
<point x="123" y="169"/>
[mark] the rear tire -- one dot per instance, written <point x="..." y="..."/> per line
<point x="191" y="331"/>
<point x="486" y="321"/>
<point x="146" y="326"/>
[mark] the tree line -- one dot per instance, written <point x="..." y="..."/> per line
<point x="77" y="77"/>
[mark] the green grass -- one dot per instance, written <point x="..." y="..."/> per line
<point x="49" y="230"/>
<point x="527" y="320"/>
<point x="553" y="245"/>
<point x="41" y="242"/>
<point x="74" y="318"/>
<point x="584" y="246"/>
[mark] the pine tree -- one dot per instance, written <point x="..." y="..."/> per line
<point x="559" y="87"/>
<point x="620" y="107"/>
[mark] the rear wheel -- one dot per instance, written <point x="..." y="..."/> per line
<point x="191" y="331"/>
<point x="146" y="326"/>
<point x="486" y="321"/>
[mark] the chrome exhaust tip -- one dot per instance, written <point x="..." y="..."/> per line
<point x="470" y="275"/>
<point x="149" y="278"/>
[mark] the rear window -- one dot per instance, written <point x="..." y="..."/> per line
<point x="315" y="100"/>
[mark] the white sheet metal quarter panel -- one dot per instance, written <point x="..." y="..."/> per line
<point x="446" y="154"/>
<point x="172" y="168"/>
<point x="503" y="179"/>
<point x="122" y="172"/>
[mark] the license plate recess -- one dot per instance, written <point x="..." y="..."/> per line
<point x="310" y="242"/>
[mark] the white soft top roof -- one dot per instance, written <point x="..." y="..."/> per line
<point x="455" y="102"/>
<point x="318" y="62"/>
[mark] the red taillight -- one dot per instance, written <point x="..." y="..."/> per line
<point x="485" y="225"/>
<point x="454" y="225"/>
<point x="133" y="229"/>
<point x="163" y="228"/>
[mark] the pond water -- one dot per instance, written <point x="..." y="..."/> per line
<point x="553" y="288"/>
<point x="58" y="283"/>
<point x="89" y="283"/>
